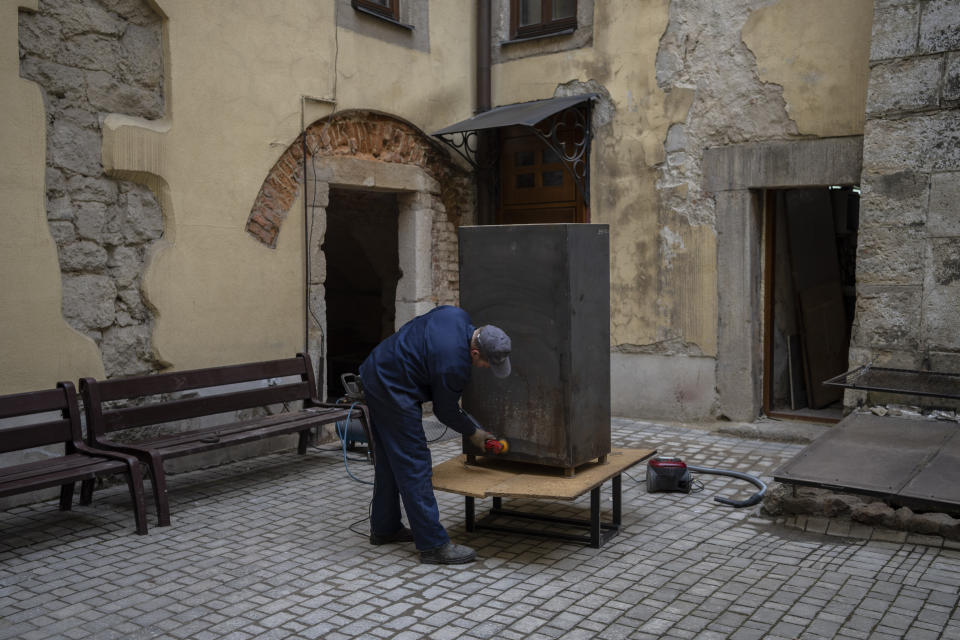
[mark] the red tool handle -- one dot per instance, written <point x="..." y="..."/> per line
<point x="495" y="446"/>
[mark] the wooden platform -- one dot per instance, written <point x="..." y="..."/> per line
<point x="494" y="478"/>
<point x="491" y="477"/>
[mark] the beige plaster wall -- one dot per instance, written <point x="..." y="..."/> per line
<point x="236" y="72"/>
<point x="819" y="51"/>
<point x="623" y="174"/>
<point x="37" y="347"/>
<point x="430" y="90"/>
<point x="234" y="76"/>
<point x="663" y="265"/>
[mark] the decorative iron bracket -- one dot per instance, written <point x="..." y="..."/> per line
<point x="566" y="132"/>
<point x="576" y="162"/>
<point x="467" y="143"/>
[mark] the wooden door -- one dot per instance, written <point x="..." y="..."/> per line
<point x="535" y="186"/>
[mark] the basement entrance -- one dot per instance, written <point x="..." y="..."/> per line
<point x="363" y="267"/>
<point x="809" y="298"/>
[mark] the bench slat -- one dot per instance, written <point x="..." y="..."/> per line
<point x="23" y="404"/>
<point x="299" y="420"/>
<point x="202" y="406"/>
<point x="70" y="465"/>
<point x="35" y="435"/>
<point x="139" y="386"/>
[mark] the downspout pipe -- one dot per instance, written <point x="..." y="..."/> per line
<point x="483" y="56"/>
<point x="484" y="176"/>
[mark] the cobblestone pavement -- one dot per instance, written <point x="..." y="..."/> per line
<point x="267" y="548"/>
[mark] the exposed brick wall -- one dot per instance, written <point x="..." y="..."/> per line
<point x="361" y="134"/>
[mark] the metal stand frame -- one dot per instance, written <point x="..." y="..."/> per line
<point x="598" y="533"/>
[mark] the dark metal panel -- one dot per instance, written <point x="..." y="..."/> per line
<point x="547" y="286"/>
<point x="590" y="331"/>
<point x="939" y="480"/>
<point x="525" y="113"/>
<point x="868" y="453"/>
<point x="904" y="381"/>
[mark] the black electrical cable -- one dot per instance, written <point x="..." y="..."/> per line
<point x="369" y="513"/>
<point x="749" y="502"/>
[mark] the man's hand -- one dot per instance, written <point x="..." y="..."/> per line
<point x="479" y="437"/>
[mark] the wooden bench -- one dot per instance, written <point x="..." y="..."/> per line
<point x="79" y="462"/>
<point x="159" y="399"/>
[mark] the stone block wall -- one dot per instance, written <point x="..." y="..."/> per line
<point x="908" y="258"/>
<point x="92" y="58"/>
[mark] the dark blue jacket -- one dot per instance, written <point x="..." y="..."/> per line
<point x="427" y="359"/>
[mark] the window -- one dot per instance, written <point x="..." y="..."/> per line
<point x="532" y="18"/>
<point x="387" y="8"/>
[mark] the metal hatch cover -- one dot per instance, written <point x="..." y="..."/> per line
<point x="878" y="455"/>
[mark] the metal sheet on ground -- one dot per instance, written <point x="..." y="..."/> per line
<point x="939" y="480"/>
<point x="869" y="453"/>
<point x="502" y="478"/>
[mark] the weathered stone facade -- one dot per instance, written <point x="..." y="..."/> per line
<point x="91" y="59"/>
<point x="908" y="271"/>
<point x="703" y="49"/>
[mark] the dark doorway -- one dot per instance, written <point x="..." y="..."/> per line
<point x="810" y="294"/>
<point x="360" y="247"/>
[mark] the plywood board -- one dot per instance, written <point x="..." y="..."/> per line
<point x="491" y="477"/>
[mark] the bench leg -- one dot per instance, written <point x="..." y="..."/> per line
<point x="135" y="482"/>
<point x="86" y="491"/>
<point x="159" y="481"/>
<point x="303" y="441"/>
<point x="66" y="496"/>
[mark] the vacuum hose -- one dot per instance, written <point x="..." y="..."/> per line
<point x="749" y="502"/>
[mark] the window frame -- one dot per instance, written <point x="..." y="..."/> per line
<point x="544" y="27"/>
<point x="368" y="6"/>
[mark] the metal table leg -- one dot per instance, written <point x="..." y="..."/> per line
<point x="469" y="509"/>
<point x="597" y="532"/>
<point x="595" y="518"/>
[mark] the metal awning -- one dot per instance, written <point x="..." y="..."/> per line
<point x="524" y="113"/>
<point x="568" y="134"/>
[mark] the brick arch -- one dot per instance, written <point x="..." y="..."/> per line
<point x="355" y="133"/>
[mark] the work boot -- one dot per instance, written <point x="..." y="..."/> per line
<point x="401" y="535"/>
<point x="448" y="554"/>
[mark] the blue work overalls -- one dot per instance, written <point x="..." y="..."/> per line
<point x="427" y="359"/>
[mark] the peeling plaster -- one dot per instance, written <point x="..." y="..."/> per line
<point x="824" y="81"/>
<point x="670" y="244"/>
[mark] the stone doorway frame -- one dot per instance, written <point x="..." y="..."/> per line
<point x="373" y="151"/>
<point x="416" y="192"/>
<point x="737" y="175"/>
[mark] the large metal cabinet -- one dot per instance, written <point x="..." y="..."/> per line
<point x="548" y="287"/>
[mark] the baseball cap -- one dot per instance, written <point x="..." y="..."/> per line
<point x="494" y="346"/>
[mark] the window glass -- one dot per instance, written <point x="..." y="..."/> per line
<point x="550" y="156"/>
<point x="387" y="8"/>
<point x="564" y="9"/>
<point x="526" y="180"/>
<point x="529" y="12"/>
<point x="524" y="158"/>
<point x="553" y="178"/>
<point x="532" y="18"/>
